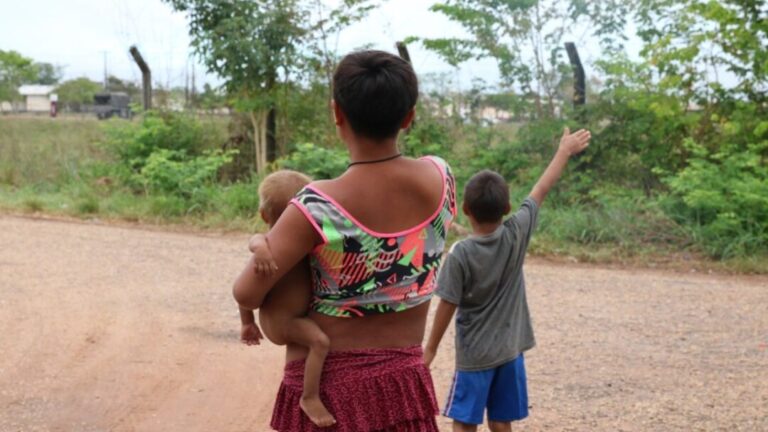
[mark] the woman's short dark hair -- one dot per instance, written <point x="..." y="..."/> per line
<point x="375" y="90"/>
<point x="486" y="196"/>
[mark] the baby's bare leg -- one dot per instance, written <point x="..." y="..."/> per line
<point x="306" y="332"/>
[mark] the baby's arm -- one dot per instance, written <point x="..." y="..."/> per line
<point x="570" y="144"/>
<point x="443" y="315"/>
<point x="263" y="264"/>
<point x="249" y="332"/>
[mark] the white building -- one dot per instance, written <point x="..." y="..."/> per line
<point x="37" y="98"/>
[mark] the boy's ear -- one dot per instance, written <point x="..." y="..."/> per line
<point x="338" y="114"/>
<point x="465" y="209"/>
<point x="507" y="209"/>
<point x="406" y="123"/>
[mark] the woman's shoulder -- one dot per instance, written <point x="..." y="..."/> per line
<point x="443" y="166"/>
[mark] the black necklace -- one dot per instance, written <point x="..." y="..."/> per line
<point x="388" y="158"/>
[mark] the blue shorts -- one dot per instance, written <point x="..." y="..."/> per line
<point x="502" y="390"/>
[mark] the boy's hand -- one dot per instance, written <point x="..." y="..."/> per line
<point x="263" y="262"/>
<point x="573" y="143"/>
<point x="429" y="355"/>
<point x="250" y="334"/>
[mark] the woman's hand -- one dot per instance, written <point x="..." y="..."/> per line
<point x="263" y="261"/>
<point x="289" y="241"/>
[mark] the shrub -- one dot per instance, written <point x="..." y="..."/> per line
<point x="724" y="197"/>
<point x="87" y="205"/>
<point x="174" y="172"/>
<point x="132" y="143"/>
<point x="316" y="162"/>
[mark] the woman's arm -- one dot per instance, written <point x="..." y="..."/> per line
<point x="290" y="240"/>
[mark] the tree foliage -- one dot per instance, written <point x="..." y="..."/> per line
<point x="15" y="70"/>
<point x="697" y="45"/>
<point x="255" y="44"/>
<point x="47" y="73"/>
<point x="77" y="91"/>
<point x="525" y="38"/>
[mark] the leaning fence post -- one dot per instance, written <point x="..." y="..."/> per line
<point x="579" y="92"/>
<point x="579" y="84"/>
<point x="402" y="49"/>
<point x="146" y="77"/>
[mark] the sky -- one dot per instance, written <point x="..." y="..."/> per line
<point x="83" y="35"/>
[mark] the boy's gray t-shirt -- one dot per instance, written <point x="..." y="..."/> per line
<point x="483" y="275"/>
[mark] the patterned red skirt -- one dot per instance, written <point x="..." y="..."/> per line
<point x="371" y="390"/>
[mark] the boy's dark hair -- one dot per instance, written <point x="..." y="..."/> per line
<point x="486" y="196"/>
<point x="375" y="90"/>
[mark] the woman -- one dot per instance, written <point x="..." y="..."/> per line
<point x="374" y="236"/>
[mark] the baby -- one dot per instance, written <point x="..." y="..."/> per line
<point x="282" y="316"/>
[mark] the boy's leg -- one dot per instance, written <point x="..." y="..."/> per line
<point x="508" y="398"/>
<point x="306" y="332"/>
<point x="499" y="426"/>
<point x="467" y="399"/>
<point x="463" y="427"/>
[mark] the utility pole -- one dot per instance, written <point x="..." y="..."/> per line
<point x="106" y="79"/>
<point x="193" y="84"/>
<point x="186" y="86"/>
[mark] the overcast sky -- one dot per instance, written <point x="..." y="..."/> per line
<point x="77" y="34"/>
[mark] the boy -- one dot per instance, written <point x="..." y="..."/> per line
<point x="283" y="314"/>
<point x="482" y="276"/>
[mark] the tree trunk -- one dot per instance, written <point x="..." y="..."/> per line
<point x="258" y="120"/>
<point x="270" y="124"/>
<point x="271" y="134"/>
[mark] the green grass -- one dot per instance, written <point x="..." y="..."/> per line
<point x="41" y="149"/>
<point x="56" y="167"/>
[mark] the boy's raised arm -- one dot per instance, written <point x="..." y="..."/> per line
<point x="570" y="144"/>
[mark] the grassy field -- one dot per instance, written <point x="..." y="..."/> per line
<point x="59" y="167"/>
<point x="55" y="166"/>
<point x="35" y="150"/>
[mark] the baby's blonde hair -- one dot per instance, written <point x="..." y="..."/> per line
<point x="276" y="191"/>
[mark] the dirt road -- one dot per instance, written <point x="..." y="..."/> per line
<point x="106" y="328"/>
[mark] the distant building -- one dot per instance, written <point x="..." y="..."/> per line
<point x="37" y="98"/>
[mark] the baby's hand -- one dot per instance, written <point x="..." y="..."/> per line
<point x="250" y="334"/>
<point x="263" y="262"/>
<point x="576" y="142"/>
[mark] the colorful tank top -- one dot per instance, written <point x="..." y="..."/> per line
<point x="358" y="272"/>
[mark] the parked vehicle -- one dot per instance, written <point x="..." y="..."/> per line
<point x="109" y="104"/>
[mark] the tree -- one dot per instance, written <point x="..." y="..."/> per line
<point x="248" y="43"/>
<point x="76" y="92"/>
<point x="115" y="84"/>
<point x="15" y="70"/>
<point x="47" y="73"/>
<point x="526" y="37"/>
<point x="210" y="98"/>
<point x="253" y="45"/>
<point x="691" y="43"/>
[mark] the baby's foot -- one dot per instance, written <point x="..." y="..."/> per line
<point x="315" y="410"/>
